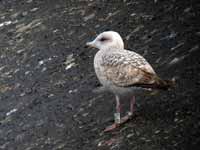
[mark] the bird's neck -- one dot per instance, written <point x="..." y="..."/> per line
<point x="111" y="48"/>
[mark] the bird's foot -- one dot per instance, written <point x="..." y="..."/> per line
<point x="111" y="127"/>
<point x="126" y="118"/>
<point x="117" y="125"/>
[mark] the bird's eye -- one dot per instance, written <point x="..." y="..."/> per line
<point x="103" y="39"/>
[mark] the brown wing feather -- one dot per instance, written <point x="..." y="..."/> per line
<point x="127" y="68"/>
<point x="131" y="69"/>
<point x="128" y="75"/>
<point x="138" y="78"/>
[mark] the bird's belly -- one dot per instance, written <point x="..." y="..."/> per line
<point x="125" y="91"/>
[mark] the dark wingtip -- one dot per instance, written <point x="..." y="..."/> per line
<point x="170" y="84"/>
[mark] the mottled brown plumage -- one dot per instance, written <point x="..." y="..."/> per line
<point x="127" y="68"/>
<point x="122" y="71"/>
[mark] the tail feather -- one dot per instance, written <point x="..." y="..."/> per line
<point x="165" y="84"/>
<point x="159" y="84"/>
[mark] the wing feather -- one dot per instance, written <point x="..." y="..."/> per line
<point x="127" y="69"/>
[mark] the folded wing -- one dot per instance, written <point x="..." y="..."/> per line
<point x="126" y="68"/>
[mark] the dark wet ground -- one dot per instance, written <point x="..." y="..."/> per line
<point x="46" y="74"/>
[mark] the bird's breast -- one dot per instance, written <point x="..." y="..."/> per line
<point x="99" y="69"/>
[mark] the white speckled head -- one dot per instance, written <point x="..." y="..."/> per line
<point x="108" y="39"/>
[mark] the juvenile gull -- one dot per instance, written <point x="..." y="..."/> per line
<point x="123" y="72"/>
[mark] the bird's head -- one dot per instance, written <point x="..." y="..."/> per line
<point x="108" y="39"/>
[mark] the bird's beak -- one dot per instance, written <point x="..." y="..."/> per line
<point x="90" y="44"/>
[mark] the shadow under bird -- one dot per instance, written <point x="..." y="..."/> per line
<point x="123" y="72"/>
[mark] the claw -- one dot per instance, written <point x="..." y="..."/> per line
<point x="111" y="127"/>
<point x="117" y="125"/>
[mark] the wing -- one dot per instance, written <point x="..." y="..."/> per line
<point x="127" y="68"/>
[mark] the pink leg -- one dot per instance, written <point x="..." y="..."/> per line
<point x="130" y="114"/>
<point x="132" y="105"/>
<point x="116" y="115"/>
<point x="118" y="105"/>
<point x="119" y="121"/>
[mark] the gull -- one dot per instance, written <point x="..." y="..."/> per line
<point x="123" y="72"/>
